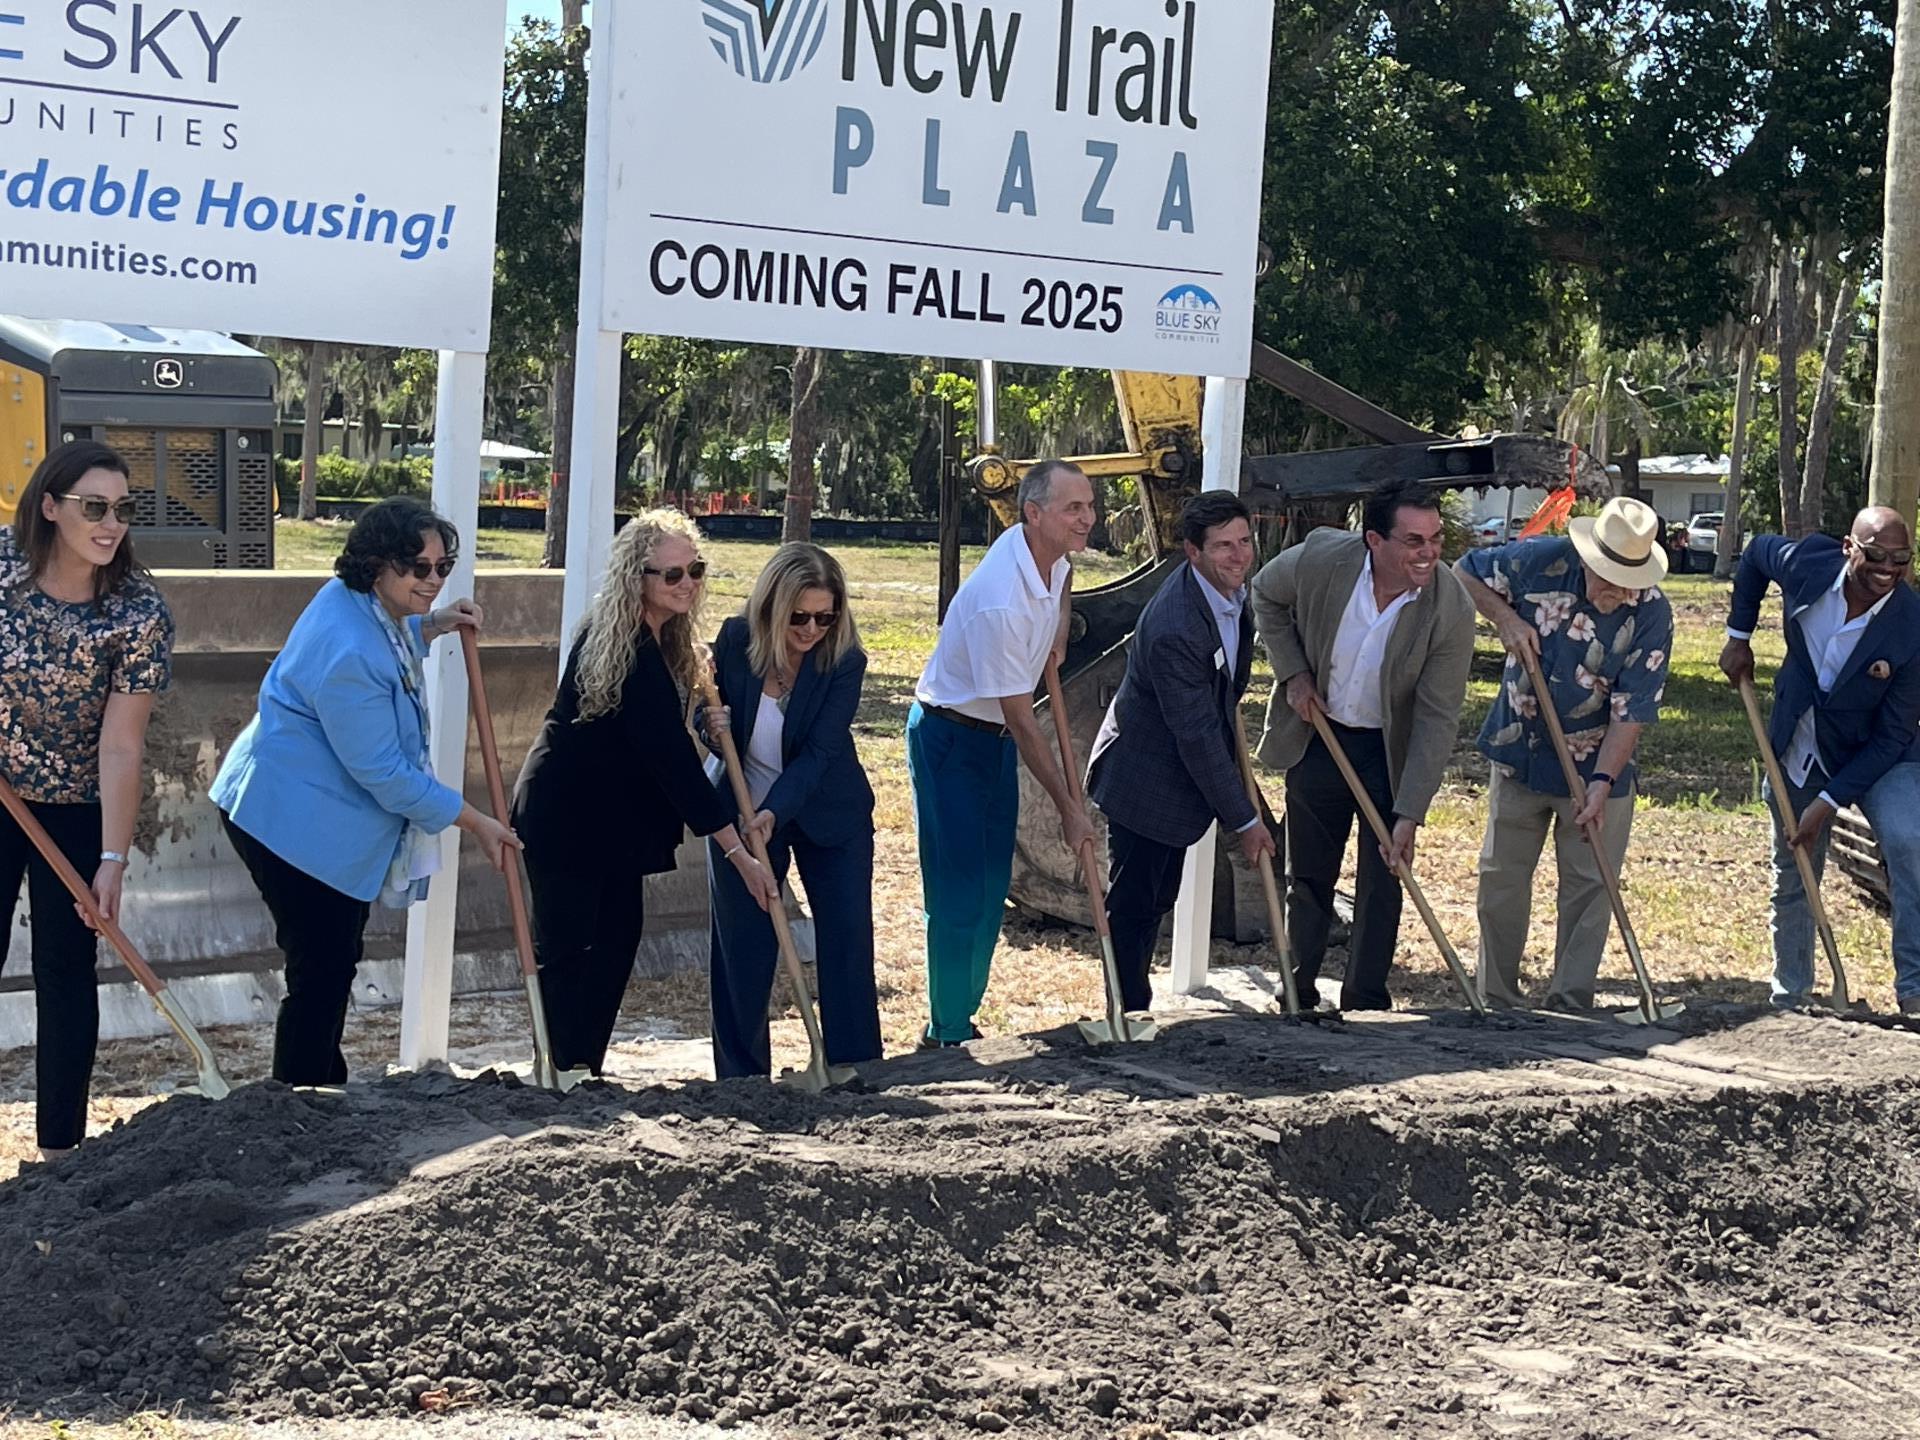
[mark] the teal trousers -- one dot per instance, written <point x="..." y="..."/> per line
<point x="966" y="806"/>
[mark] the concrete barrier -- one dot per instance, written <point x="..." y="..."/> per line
<point x="191" y="908"/>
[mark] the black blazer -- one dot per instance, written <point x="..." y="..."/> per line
<point x="628" y="783"/>
<point x="1164" y="762"/>
<point x="821" y="788"/>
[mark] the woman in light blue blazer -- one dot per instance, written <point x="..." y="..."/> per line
<point x="328" y="795"/>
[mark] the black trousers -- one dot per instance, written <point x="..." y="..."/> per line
<point x="1143" y="882"/>
<point x="1320" y="813"/>
<point x="322" y="933"/>
<point x="66" y="1002"/>
<point x="588" y="912"/>
<point x="839" y="880"/>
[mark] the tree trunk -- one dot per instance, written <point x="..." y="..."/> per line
<point x="1896" y="411"/>
<point x="1788" y="313"/>
<point x="311" y="430"/>
<point x="1728" y="546"/>
<point x="572" y="14"/>
<point x="803" y="442"/>
<point x="1820" y="424"/>
<point x="553" y="555"/>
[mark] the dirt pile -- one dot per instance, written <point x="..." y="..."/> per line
<point x="1423" y="1228"/>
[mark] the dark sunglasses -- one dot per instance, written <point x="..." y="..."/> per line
<point x="94" y="508"/>
<point x="421" y="569"/>
<point x="1876" y="555"/>
<point x="697" y="570"/>
<point x="820" y="619"/>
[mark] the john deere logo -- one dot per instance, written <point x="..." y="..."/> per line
<point x="168" y="375"/>
<point x="766" y="40"/>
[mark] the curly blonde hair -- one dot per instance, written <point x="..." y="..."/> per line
<point x="616" y="625"/>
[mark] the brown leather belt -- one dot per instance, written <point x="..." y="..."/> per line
<point x="960" y="717"/>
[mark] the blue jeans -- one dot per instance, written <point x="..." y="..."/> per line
<point x="1793" y="928"/>
<point x="966" y="808"/>
<point x="1893" y="808"/>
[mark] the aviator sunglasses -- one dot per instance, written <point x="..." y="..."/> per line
<point x="819" y="619"/>
<point x="1879" y="555"/>
<point x="95" y="507"/>
<point x="421" y="569"/>
<point x="697" y="570"/>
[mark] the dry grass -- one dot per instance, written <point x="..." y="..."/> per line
<point x="1697" y="874"/>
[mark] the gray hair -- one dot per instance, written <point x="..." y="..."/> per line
<point x="1036" y="486"/>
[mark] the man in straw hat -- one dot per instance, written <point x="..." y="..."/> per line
<point x="1589" y="608"/>
<point x="1845" y="708"/>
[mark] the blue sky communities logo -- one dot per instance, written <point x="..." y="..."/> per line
<point x="766" y="40"/>
<point x="1187" y="313"/>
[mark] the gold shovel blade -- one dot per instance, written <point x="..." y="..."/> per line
<point x="813" y="1081"/>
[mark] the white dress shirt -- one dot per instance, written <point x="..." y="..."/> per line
<point x="998" y="632"/>
<point x="1359" y="650"/>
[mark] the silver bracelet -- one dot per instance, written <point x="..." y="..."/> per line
<point x="113" y="855"/>
<point x="738" y="847"/>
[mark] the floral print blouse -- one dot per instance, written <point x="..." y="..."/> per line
<point x="58" y="664"/>
<point x="1599" y="668"/>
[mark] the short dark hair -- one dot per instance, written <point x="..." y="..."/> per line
<point x="391" y="533"/>
<point x="1385" y="503"/>
<point x="34" y="535"/>
<point x="1208" y="511"/>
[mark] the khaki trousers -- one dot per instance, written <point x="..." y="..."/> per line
<point x="1517" y="823"/>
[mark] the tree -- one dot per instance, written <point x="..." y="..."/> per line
<point x="315" y="403"/>
<point x="1813" y="485"/>
<point x="1896" y="411"/>
<point x="803" y="438"/>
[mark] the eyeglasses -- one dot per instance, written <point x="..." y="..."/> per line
<point x="95" y="507"/>
<point x="819" y="619"/>
<point x="1876" y="555"/>
<point x="697" y="571"/>
<point x="421" y="569"/>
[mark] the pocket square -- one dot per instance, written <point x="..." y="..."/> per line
<point x="1880" y="670"/>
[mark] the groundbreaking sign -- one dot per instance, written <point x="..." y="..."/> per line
<point x="1039" y="180"/>
<point x="321" y="170"/>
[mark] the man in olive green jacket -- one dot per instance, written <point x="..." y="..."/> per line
<point x="1375" y="633"/>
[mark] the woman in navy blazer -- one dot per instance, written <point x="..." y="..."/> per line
<point x="613" y="783"/>
<point x="328" y="795"/>
<point x="789" y="673"/>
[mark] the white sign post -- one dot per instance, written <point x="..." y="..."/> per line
<point x="326" y="171"/>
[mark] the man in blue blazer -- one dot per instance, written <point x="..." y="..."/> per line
<point x="1845" y="711"/>
<point x="1163" y="767"/>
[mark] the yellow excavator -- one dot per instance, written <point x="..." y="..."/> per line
<point x="1160" y="418"/>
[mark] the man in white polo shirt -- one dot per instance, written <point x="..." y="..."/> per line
<point x="971" y="725"/>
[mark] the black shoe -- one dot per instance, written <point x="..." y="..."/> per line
<point x="974" y="1032"/>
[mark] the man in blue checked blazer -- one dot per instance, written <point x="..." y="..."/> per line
<point x="1845" y="710"/>
<point x="1163" y="767"/>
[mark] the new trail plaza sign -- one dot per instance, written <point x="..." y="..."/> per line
<point x="1071" y="182"/>
<point x="316" y="168"/>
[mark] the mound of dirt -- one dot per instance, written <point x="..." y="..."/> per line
<point x="1396" y="1226"/>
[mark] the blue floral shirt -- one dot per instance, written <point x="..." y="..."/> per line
<point x="58" y="664"/>
<point x="1599" y="668"/>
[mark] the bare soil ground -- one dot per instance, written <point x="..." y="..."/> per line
<point x="1398" y="1225"/>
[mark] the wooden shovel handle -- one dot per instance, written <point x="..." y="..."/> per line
<point x="497" y="797"/>
<point x="1063" y="733"/>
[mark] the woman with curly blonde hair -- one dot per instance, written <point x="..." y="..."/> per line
<point x="613" y="783"/>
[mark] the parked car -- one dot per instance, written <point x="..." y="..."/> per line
<point x="1488" y="532"/>
<point x="1703" y="532"/>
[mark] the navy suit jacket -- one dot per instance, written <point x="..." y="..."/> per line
<point x="821" y="788"/>
<point x="1164" y="764"/>
<point x="1868" y="722"/>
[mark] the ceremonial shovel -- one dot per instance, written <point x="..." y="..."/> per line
<point x="545" y="1075"/>
<point x="1789" y="823"/>
<point x="1116" y="1026"/>
<point x="1276" y="917"/>
<point x="1652" y="1012"/>
<point x="1404" y="871"/>
<point x="211" y="1083"/>
<point x="818" y="1075"/>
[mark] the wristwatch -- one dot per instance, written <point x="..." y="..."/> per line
<point x="1598" y="776"/>
<point x="113" y="855"/>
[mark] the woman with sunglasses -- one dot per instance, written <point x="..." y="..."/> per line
<point x="329" y="796"/>
<point x="789" y="672"/>
<point x="85" y="644"/>
<point x="613" y="783"/>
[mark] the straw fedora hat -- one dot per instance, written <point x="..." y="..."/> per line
<point x="1621" y="543"/>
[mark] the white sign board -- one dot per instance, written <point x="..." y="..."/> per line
<point x="327" y="169"/>
<point x="1041" y="180"/>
